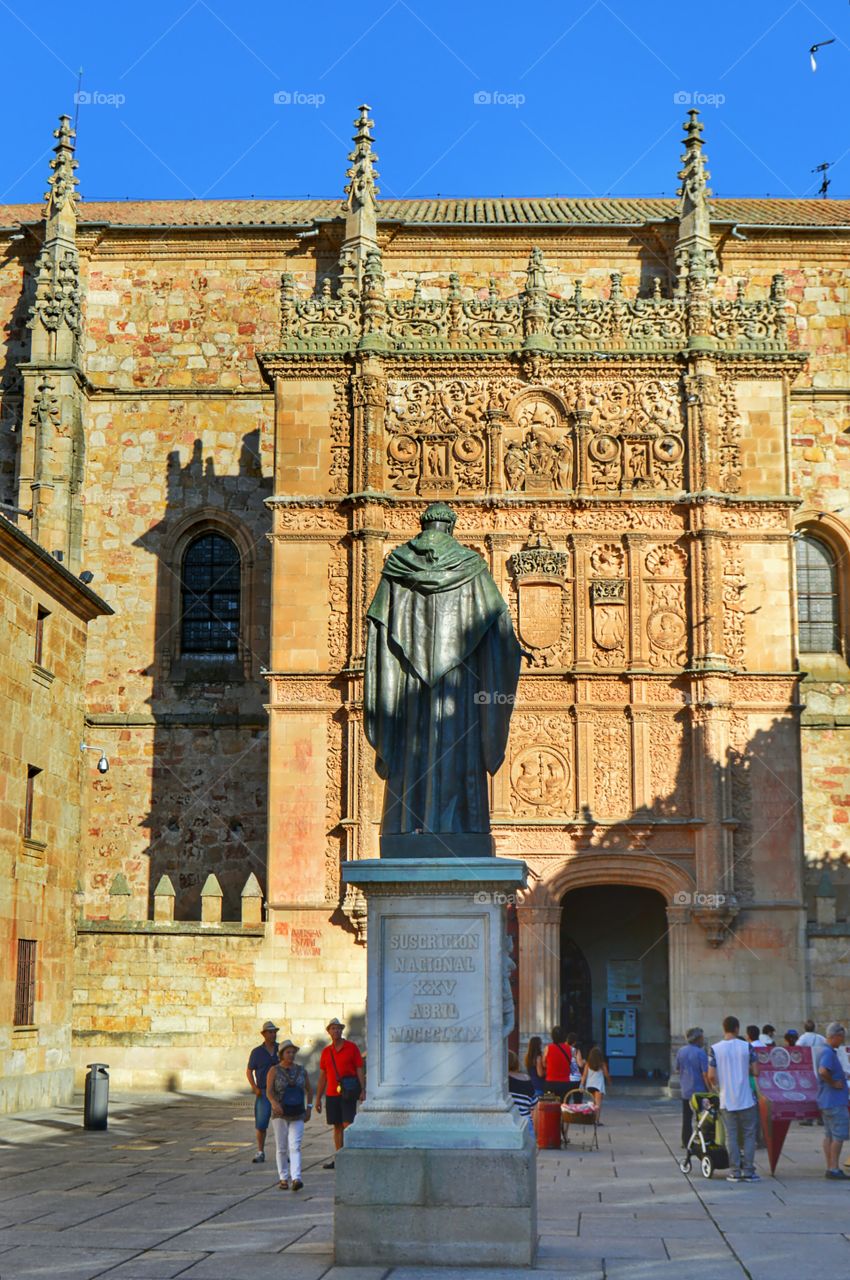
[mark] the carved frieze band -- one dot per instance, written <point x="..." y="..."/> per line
<point x="610" y="435"/>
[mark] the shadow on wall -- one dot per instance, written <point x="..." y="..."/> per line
<point x="309" y="1054"/>
<point x="208" y="774"/>
<point x="755" y="791"/>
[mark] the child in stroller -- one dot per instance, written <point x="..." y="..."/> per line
<point x="707" y="1136"/>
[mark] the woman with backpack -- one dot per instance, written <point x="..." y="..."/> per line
<point x="291" y="1096"/>
<point x="577" y="1066"/>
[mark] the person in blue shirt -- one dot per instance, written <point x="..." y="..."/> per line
<point x="833" y="1100"/>
<point x="263" y="1057"/>
<point x="692" y="1066"/>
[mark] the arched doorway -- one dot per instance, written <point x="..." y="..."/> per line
<point x="614" y="953"/>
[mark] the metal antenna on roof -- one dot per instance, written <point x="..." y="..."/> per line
<point x="78" y="97"/>
<point x="823" y="189"/>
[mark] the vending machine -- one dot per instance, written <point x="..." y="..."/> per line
<point x="620" y="1039"/>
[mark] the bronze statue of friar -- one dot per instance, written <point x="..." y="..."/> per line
<point x="442" y="666"/>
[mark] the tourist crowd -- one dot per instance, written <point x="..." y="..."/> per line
<point x="283" y="1095"/>
<point x="730" y="1068"/>
<point x="560" y="1070"/>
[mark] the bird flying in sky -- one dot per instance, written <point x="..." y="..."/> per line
<point x="814" y="48"/>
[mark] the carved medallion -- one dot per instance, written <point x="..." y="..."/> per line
<point x="540" y="776"/>
<point x="666" y="629"/>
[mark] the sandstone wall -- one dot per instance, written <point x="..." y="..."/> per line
<point x="41" y="709"/>
<point x="187" y="795"/>
<point x="180" y="1007"/>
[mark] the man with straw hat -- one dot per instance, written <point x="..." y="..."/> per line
<point x="263" y="1057"/>
<point x="341" y="1078"/>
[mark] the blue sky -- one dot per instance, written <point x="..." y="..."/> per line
<point x="209" y="99"/>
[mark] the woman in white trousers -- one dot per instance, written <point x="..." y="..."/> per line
<point x="290" y="1093"/>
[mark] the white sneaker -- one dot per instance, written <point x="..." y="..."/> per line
<point x="259" y="1158"/>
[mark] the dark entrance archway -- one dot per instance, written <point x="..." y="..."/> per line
<point x="613" y="952"/>
<point x="576" y="991"/>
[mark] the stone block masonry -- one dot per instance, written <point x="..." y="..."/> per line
<point x="44" y="612"/>
<point x="180" y="1005"/>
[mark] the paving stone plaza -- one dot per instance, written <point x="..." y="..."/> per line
<point x="169" y="1190"/>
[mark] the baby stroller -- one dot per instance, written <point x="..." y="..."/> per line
<point x="707" y="1136"/>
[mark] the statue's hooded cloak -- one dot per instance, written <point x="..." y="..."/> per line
<point x="442" y="665"/>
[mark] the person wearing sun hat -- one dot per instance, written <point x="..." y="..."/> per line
<point x="263" y="1057"/>
<point x="341" y="1078"/>
<point x="290" y="1095"/>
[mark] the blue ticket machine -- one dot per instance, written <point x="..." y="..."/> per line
<point x="620" y="1039"/>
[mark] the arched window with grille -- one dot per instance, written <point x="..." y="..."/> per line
<point x="817" y="597"/>
<point x="210" y="591"/>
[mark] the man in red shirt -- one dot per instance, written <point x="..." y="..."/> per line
<point x="559" y="1057"/>
<point x="341" y="1078"/>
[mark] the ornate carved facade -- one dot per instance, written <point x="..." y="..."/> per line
<point x="616" y="399"/>
<point x="617" y="460"/>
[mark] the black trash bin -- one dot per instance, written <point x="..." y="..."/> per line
<point x="97" y="1096"/>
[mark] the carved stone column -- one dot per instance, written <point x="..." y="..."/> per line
<point x="678" y="924"/>
<point x="581" y="605"/>
<point x="702" y="398"/>
<point x="52" y="444"/>
<point x="707" y="587"/>
<point x="713" y="839"/>
<point x="353" y="740"/>
<point x="539" y="970"/>
<point x="369" y="390"/>
<point x="583" y="434"/>
<point x="366" y="563"/>
<point x="495" y="418"/>
<point x="639" y="719"/>
<point x="638" y="645"/>
<point x="584" y="758"/>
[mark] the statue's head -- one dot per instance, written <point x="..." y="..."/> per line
<point x="438" y="516"/>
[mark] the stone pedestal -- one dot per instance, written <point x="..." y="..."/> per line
<point x="437" y="1168"/>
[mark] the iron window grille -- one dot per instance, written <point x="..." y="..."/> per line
<point x="817" y="597"/>
<point x="25" y="983"/>
<point x="210" y="596"/>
